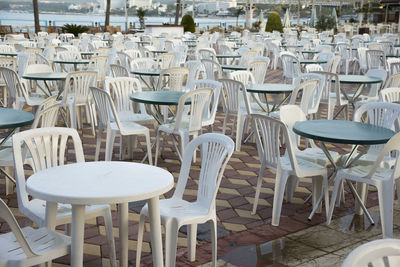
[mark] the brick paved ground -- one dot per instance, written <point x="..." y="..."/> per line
<point x="234" y="203"/>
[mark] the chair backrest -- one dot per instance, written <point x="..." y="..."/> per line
<point x="259" y="69"/>
<point x="144" y="64"/>
<point x="8" y="62"/>
<point x="198" y="100"/>
<point x="100" y="63"/>
<point x="333" y="64"/>
<point x="391" y="94"/>
<point x="213" y="69"/>
<point x="382" y="252"/>
<point x="120" y="89"/>
<point x="383" y="114"/>
<point x="247" y="57"/>
<point x="216" y="150"/>
<point x="268" y="131"/>
<point x="165" y="61"/>
<point x="40" y="59"/>
<point x="77" y="84"/>
<point x="119" y="71"/>
<point x="307" y="89"/>
<point x="317" y="94"/>
<point x="243" y="76"/>
<point x="8" y="217"/>
<point x="290" y="114"/>
<point x="393" y="81"/>
<point x="195" y="69"/>
<point x="231" y="95"/>
<point x="376" y="87"/>
<point x="133" y="53"/>
<point x="376" y="59"/>
<point x="46" y="116"/>
<point x="38" y="68"/>
<point x="124" y="59"/>
<point x="47" y="148"/>
<point x="291" y="65"/>
<point x="210" y="110"/>
<point x="172" y="78"/>
<point x="13" y="85"/>
<point x="206" y="53"/>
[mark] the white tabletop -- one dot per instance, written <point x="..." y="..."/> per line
<point x="100" y="182"/>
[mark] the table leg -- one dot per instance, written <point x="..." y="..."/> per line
<point x="155" y="230"/>
<point x="123" y="234"/>
<point x="77" y="234"/>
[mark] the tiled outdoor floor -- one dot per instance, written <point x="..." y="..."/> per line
<point x="244" y="239"/>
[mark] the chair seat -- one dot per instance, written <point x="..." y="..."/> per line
<point x="357" y="173"/>
<point x="370" y="158"/>
<point x="6" y="157"/>
<point x="305" y="166"/>
<point x="180" y="209"/>
<point x="129" y="127"/>
<point x="64" y="211"/>
<point x="318" y="156"/>
<point x="136" y="117"/>
<point x="40" y="240"/>
<point x="332" y="98"/>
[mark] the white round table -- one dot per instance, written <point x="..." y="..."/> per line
<point x="102" y="182"/>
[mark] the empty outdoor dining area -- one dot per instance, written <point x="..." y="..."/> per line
<point x="255" y="133"/>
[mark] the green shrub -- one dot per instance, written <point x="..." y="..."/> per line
<point x="188" y="23"/>
<point x="325" y="23"/>
<point x="274" y="23"/>
<point x="75" y="29"/>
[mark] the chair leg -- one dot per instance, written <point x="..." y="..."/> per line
<point x="110" y="235"/>
<point x="317" y="190"/>
<point x="157" y="148"/>
<point x="385" y="196"/>
<point x="224" y="124"/>
<point x="148" y="144"/>
<point x="397" y="181"/>
<point x="291" y="186"/>
<point x="258" y="188"/>
<point x="9" y="184"/>
<point x="171" y="239"/>
<point x="280" y="183"/>
<point x="239" y="131"/>
<point x="109" y="144"/>
<point x="140" y="239"/>
<point x="326" y="192"/>
<point x="191" y="241"/>
<point x="98" y="142"/>
<point x="213" y="226"/>
<point x="336" y="188"/>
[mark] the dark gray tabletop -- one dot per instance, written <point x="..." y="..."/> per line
<point x="343" y="132"/>
<point x="359" y="79"/>
<point x="270" y="88"/>
<point x="312" y="61"/>
<point x="8" y="54"/>
<point x="158" y="97"/>
<point x="233" y="67"/>
<point x="81" y="61"/>
<point x="46" y="76"/>
<point x="228" y="56"/>
<point x="146" y="72"/>
<point x="11" y="118"/>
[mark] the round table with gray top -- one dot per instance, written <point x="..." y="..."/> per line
<point x="8" y="54"/>
<point x="166" y="98"/>
<point x="271" y="88"/>
<point x="72" y="62"/>
<point x="343" y="132"/>
<point x="312" y="61"/>
<point x="149" y="73"/>
<point x="47" y="76"/>
<point x="233" y="67"/>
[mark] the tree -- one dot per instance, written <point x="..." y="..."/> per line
<point x="141" y="13"/>
<point x="108" y="7"/>
<point x="178" y="7"/>
<point x="274" y="23"/>
<point x="36" y="15"/>
<point x="188" y="23"/>
<point x="238" y="12"/>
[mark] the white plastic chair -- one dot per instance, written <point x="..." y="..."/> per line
<point x="118" y="71"/>
<point x="99" y="64"/>
<point x="393" y="81"/>
<point x="375" y="175"/>
<point x="258" y="68"/>
<point x="376" y="59"/>
<point x="206" y="53"/>
<point x="213" y="69"/>
<point x="195" y="69"/>
<point x="77" y="94"/>
<point x="47" y="148"/>
<point x="382" y="252"/>
<point x="211" y="107"/>
<point x="109" y="121"/>
<point x="391" y="94"/>
<point x="333" y="64"/>
<point x="233" y="102"/>
<point x="290" y="65"/>
<point x="268" y="131"/>
<point x="28" y="246"/>
<point x="165" y="61"/>
<point x="216" y="150"/>
<point x="185" y="124"/>
<point x="172" y="79"/>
